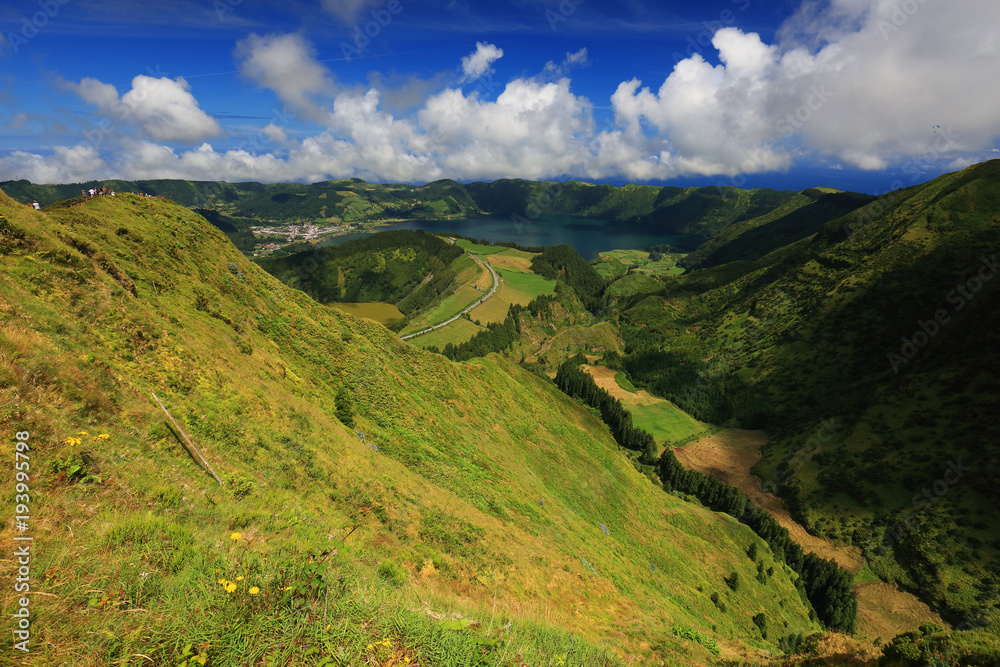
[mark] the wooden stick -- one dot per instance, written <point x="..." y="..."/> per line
<point x="190" y="445"/>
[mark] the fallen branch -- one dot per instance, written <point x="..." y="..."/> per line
<point x="190" y="445"/>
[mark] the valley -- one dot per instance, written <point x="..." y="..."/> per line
<point x="660" y="454"/>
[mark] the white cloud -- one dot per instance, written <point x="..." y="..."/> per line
<point x="163" y="108"/>
<point x="167" y="111"/>
<point x="857" y="81"/>
<point x="287" y="65"/>
<point x="574" y="59"/>
<point x="577" y="58"/>
<point x="848" y="82"/>
<point x="478" y="63"/>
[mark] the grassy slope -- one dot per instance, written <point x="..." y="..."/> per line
<point x="105" y="302"/>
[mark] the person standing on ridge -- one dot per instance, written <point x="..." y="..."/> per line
<point x="36" y="206"/>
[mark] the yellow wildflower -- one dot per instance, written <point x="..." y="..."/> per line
<point x="239" y="578"/>
<point x="103" y="436"/>
<point x="235" y="536"/>
<point x="254" y="590"/>
<point x="82" y="433"/>
<point x="222" y="581"/>
<point x="288" y="588"/>
<point x="230" y="587"/>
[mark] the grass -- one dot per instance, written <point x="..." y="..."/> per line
<point x="515" y="287"/>
<point x="457" y="332"/>
<point x="383" y="313"/>
<point x="661" y="418"/>
<point x="616" y="263"/>
<point x="478" y="249"/>
<point x="251" y="368"/>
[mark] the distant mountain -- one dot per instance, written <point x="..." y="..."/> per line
<point x="695" y="211"/>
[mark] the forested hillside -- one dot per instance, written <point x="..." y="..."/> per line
<point x="410" y="269"/>
<point x="883" y="320"/>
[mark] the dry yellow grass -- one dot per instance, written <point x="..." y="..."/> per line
<point x="515" y="260"/>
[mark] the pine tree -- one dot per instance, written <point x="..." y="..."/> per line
<point x="345" y="407"/>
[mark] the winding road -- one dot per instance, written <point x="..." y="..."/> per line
<point x="496" y="285"/>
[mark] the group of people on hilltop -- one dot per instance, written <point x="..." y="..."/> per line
<point x="96" y="192"/>
<point x="100" y="191"/>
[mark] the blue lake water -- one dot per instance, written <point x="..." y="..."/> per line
<point x="587" y="236"/>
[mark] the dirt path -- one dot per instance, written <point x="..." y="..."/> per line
<point x="883" y="610"/>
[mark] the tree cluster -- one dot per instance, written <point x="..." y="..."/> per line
<point x="563" y="263"/>
<point x="497" y="337"/>
<point x="827" y="587"/>
<point x="579" y="384"/>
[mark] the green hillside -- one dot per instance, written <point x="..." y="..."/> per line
<point x="802" y="216"/>
<point x="412" y="270"/>
<point x="468" y="514"/>
<point x="884" y="322"/>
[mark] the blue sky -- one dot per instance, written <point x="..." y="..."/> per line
<point x="857" y="94"/>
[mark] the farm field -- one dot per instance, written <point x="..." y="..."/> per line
<point x="512" y="260"/>
<point x="515" y="287"/>
<point x="470" y="275"/>
<point x="383" y="313"/>
<point x="457" y="332"/>
<point x="615" y="263"/>
<point x="475" y="248"/>
<point x="661" y="418"/>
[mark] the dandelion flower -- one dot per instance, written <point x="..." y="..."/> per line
<point x="254" y="590"/>
<point x="103" y="436"/>
<point x="222" y="581"/>
<point x="230" y="587"/>
<point x="239" y="578"/>
<point x="82" y="433"/>
<point x="235" y="536"/>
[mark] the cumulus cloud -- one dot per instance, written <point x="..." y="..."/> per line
<point x="163" y="108"/>
<point x="477" y="63"/>
<point x="847" y="82"/>
<point x="861" y="82"/>
<point x="287" y="64"/>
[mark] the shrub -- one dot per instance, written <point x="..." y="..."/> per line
<point x="392" y="573"/>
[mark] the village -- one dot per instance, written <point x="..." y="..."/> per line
<point x="302" y="232"/>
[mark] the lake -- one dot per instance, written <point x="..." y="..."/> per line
<point x="588" y="236"/>
<point x="383" y="313"/>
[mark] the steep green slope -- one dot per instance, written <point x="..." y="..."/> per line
<point x="461" y="491"/>
<point x="883" y="322"/>
<point x="802" y="216"/>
